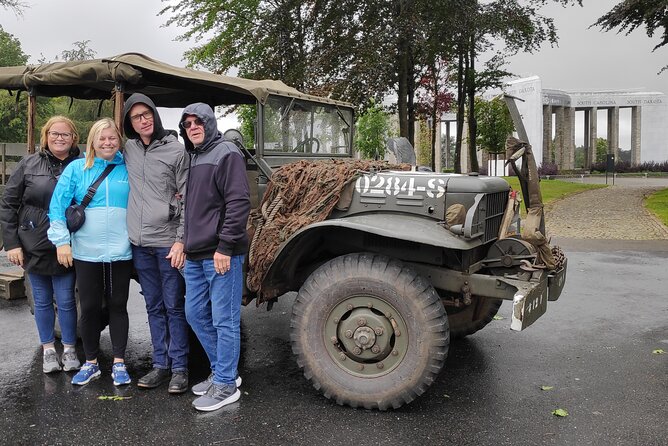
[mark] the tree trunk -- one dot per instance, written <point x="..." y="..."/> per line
<point x="470" y="86"/>
<point x="402" y="90"/>
<point x="461" y="97"/>
<point x="410" y="83"/>
<point x="434" y="118"/>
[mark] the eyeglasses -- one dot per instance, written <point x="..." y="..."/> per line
<point x="56" y="135"/>
<point x="147" y="115"/>
<point x="187" y="124"/>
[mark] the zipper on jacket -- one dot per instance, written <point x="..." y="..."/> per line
<point x="143" y="185"/>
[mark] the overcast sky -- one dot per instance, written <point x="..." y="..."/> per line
<point x="586" y="59"/>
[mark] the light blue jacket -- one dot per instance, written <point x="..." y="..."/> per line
<point x="104" y="235"/>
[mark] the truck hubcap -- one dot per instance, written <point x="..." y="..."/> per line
<point x="366" y="336"/>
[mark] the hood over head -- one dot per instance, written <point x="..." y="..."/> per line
<point x="212" y="135"/>
<point x="139" y="98"/>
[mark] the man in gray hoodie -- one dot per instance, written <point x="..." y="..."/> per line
<point x="158" y="166"/>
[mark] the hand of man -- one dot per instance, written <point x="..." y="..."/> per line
<point x="64" y="253"/>
<point x="16" y="256"/>
<point x="221" y="263"/>
<point x="177" y="256"/>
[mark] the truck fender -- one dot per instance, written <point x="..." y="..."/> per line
<point x="415" y="229"/>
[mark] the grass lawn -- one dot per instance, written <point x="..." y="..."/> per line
<point x="552" y="190"/>
<point x="658" y="204"/>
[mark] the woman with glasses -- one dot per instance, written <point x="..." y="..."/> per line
<point x="100" y="249"/>
<point x="24" y="217"/>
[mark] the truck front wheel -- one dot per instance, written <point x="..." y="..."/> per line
<point x="369" y="331"/>
<point x="467" y="320"/>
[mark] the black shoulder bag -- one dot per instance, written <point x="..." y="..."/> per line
<point x="74" y="214"/>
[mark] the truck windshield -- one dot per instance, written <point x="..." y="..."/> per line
<point x="293" y="126"/>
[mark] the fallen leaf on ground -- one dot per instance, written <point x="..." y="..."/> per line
<point x="113" y="397"/>
<point x="560" y="413"/>
<point x="546" y="387"/>
<point x="658" y="351"/>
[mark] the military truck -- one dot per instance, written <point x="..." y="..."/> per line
<point x="402" y="262"/>
<point x="385" y="280"/>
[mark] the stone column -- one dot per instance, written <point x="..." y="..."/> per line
<point x="559" y="136"/>
<point x="613" y="131"/>
<point x="568" y="155"/>
<point x="593" y="135"/>
<point x="587" y="160"/>
<point x="635" y="135"/>
<point x="547" y="134"/>
<point x="448" y="160"/>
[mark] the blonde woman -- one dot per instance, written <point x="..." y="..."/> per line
<point x="100" y="249"/>
<point x="24" y="217"/>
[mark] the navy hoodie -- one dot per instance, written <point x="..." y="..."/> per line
<point x="217" y="195"/>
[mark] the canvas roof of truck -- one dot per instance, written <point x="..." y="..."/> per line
<point x="167" y="85"/>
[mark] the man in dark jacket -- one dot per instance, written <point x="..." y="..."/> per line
<point x="158" y="169"/>
<point x="217" y="207"/>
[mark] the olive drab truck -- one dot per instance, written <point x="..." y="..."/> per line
<point x="403" y="261"/>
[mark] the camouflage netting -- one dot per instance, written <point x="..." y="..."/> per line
<point x="298" y="194"/>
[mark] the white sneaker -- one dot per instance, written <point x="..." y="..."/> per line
<point x="70" y="361"/>
<point x="50" y="363"/>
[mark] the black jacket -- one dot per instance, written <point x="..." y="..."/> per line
<point x="24" y="210"/>
<point x="217" y="194"/>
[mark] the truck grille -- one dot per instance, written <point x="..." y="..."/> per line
<point x="495" y="206"/>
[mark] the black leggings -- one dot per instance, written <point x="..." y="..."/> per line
<point x="109" y="281"/>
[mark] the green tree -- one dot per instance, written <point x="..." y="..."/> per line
<point x="434" y="99"/>
<point x="579" y="157"/>
<point x="601" y="149"/>
<point x="372" y="132"/>
<point x="511" y="26"/>
<point x="494" y="124"/>
<point x="81" y="51"/>
<point x="247" y="116"/>
<point x="346" y="49"/>
<point x="11" y="53"/>
<point x="361" y="50"/>
<point x="12" y="121"/>
<point x="630" y="15"/>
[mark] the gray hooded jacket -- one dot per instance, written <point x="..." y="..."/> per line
<point x="158" y="174"/>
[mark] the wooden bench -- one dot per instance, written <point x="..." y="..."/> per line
<point x="12" y="285"/>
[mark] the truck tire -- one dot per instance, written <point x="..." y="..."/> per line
<point x="369" y="331"/>
<point x="465" y="321"/>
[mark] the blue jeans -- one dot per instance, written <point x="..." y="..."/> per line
<point x="43" y="290"/>
<point x="163" y="289"/>
<point x="213" y="310"/>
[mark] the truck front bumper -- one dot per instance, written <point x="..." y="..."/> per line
<point x="529" y="297"/>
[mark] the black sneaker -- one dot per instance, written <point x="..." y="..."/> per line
<point x="153" y="378"/>
<point x="178" y="383"/>
<point x="217" y="396"/>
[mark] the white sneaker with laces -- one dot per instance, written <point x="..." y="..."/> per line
<point x="50" y="363"/>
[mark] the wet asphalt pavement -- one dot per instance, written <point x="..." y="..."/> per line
<point x="593" y="347"/>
